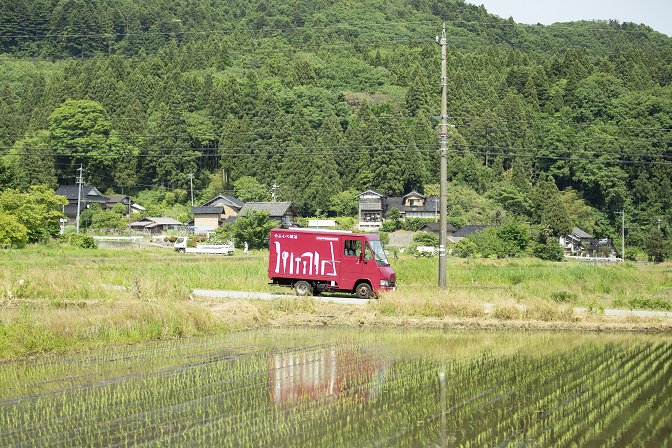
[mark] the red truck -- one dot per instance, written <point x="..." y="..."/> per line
<point x="315" y="261"/>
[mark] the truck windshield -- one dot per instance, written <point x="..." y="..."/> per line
<point x="379" y="253"/>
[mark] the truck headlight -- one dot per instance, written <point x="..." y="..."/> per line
<point x="384" y="283"/>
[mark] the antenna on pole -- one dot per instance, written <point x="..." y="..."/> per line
<point x="443" y="149"/>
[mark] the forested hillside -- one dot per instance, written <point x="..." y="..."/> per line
<point x="330" y="96"/>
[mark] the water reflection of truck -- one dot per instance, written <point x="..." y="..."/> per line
<point x="323" y="372"/>
<point x="222" y="249"/>
<point x="315" y="261"/>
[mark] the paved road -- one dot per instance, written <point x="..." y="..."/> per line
<point x="220" y="294"/>
<point x="636" y="313"/>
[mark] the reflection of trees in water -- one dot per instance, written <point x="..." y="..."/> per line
<point x="323" y="372"/>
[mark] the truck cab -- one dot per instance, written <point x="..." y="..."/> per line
<point x="315" y="261"/>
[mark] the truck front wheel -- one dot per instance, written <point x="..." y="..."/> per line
<point x="303" y="288"/>
<point x="363" y="291"/>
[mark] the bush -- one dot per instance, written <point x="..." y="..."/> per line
<point x="465" y="248"/>
<point x="384" y="238"/>
<point x="426" y="239"/>
<point x="515" y="236"/>
<point x="635" y="254"/>
<point x="12" y="232"/>
<point x="82" y="241"/>
<point x="346" y="222"/>
<point x="489" y="244"/>
<point x="551" y="250"/>
<point x="390" y="226"/>
<point x="253" y="228"/>
<point x="563" y="296"/>
<point x="651" y="304"/>
<point x="223" y="235"/>
<point x="414" y="224"/>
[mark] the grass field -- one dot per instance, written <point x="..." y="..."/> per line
<point x="55" y="298"/>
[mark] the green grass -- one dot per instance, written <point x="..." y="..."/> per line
<point x="57" y="298"/>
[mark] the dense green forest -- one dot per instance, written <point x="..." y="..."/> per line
<point x="330" y="97"/>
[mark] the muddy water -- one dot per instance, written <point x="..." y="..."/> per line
<point x="347" y="388"/>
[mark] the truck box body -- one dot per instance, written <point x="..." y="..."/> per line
<point x="329" y="261"/>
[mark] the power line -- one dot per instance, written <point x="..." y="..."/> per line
<point x="661" y="159"/>
<point x="335" y="149"/>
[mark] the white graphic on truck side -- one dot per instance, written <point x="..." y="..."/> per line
<point x="304" y="263"/>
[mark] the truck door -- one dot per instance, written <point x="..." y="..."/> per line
<point x="370" y="268"/>
<point x="351" y="262"/>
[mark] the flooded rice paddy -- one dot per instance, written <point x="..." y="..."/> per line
<point x="347" y="388"/>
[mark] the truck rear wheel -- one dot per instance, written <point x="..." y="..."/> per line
<point x="363" y="290"/>
<point x="303" y="288"/>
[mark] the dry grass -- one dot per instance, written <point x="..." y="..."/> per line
<point x="54" y="298"/>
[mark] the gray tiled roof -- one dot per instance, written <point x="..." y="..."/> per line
<point x="371" y="191"/>
<point x="116" y="198"/>
<point x="580" y="233"/>
<point x="207" y="210"/>
<point x="434" y="227"/>
<point x="275" y="209"/>
<point x="468" y="230"/>
<point x="72" y="191"/>
<point x="414" y="193"/>
<point x="227" y="199"/>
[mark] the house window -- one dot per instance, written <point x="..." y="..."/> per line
<point x="370" y="216"/>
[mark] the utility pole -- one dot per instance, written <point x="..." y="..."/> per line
<point x="273" y="188"/>
<point x="443" y="148"/>
<point x="658" y="224"/>
<point x="622" y="213"/>
<point x="80" y="181"/>
<point x="191" y="184"/>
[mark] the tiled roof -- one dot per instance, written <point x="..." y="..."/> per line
<point x="431" y="205"/>
<point x="165" y="221"/>
<point x="580" y="233"/>
<point x="413" y="193"/>
<point x="207" y="210"/>
<point x="468" y="230"/>
<point x="72" y="191"/>
<point x="371" y="192"/>
<point x="275" y="209"/>
<point x="434" y="227"/>
<point x="116" y="198"/>
<point x="226" y="198"/>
